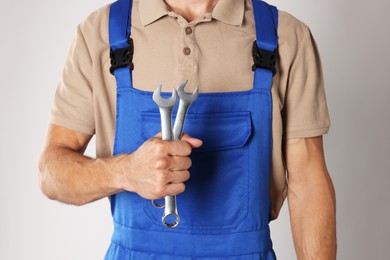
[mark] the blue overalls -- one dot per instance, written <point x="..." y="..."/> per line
<point x="226" y="207"/>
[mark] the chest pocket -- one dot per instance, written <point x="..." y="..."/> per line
<point x="216" y="195"/>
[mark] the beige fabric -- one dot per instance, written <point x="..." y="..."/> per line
<point x="219" y="60"/>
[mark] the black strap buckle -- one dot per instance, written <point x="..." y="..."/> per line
<point x="263" y="59"/>
<point x="122" y="58"/>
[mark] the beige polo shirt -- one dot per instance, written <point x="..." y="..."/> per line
<point x="213" y="52"/>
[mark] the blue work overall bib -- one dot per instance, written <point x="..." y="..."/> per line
<point x="226" y="208"/>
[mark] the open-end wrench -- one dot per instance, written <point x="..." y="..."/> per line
<point x="166" y="107"/>
<point x="186" y="99"/>
<point x="171" y="217"/>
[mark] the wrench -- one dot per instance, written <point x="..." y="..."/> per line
<point x="186" y="99"/>
<point x="166" y="106"/>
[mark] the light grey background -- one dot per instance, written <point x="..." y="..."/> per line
<point x="354" y="39"/>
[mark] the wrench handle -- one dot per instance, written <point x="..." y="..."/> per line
<point x="171" y="218"/>
<point x="180" y="119"/>
<point x="166" y="124"/>
<point x="166" y="131"/>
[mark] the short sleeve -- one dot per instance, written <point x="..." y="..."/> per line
<point x="305" y="112"/>
<point x="73" y="101"/>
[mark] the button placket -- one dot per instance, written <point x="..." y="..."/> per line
<point x="188" y="55"/>
<point x="188" y="39"/>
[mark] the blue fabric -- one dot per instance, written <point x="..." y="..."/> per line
<point x="266" y="20"/>
<point x="119" y="30"/>
<point x="226" y="207"/>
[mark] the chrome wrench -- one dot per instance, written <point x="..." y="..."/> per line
<point x="186" y="99"/>
<point x="166" y="107"/>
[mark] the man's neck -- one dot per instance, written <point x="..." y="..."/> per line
<point x="191" y="9"/>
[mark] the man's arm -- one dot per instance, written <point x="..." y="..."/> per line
<point x="311" y="199"/>
<point x="158" y="168"/>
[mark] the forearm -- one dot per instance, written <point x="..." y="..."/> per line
<point x="73" y="178"/>
<point x="312" y="211"/>
<point x="156" y="169"/>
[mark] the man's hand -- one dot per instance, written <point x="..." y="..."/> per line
<point x="311" y="199"/>
<point x="158" y="168"/>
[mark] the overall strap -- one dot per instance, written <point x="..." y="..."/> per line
<point x="265" y="47"/>
<point x="121" y="44"/>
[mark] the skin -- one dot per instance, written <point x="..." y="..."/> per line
<point x="311" y="199"/>
<point x="159" y="168"/>
<point x="191" y="9"/>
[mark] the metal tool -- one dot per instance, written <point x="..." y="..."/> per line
<point x="166" y="107"/>
<point x="171" y="217"/>
<point x="186" y="99"/>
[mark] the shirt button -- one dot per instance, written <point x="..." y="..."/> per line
<point x="188" y="30"/>
<point x="187" y="51"/>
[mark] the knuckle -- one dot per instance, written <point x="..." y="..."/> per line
<point x="162" y="163"/>
<point x="162" y="178"/>
<point x="151" y="141"/>
<point x="160" y="147"/>
<point x="160" y="191"/>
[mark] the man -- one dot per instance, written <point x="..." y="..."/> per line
<point x="208" y="43"/>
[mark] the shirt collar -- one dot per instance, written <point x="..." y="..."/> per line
<point x="152" y="10"/>
<point x="227" y="11"/>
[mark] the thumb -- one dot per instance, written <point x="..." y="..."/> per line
<point x="194" y="142"/>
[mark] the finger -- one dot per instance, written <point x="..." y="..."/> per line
<point x="175" y="177"/>
<point x="180" y="163"/>
<point x="179" y="148"/>
<point x="194" y="142"/>
<point x="175" y="189"/>
<point x="178" y="176"/>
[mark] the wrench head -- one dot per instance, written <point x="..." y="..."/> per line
<point x="164" y="102"/>
<point x="187" y="97"/>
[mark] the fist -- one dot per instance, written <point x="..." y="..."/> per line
<point x="159" y="168"/>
